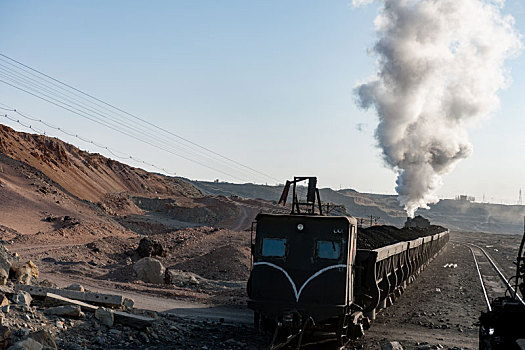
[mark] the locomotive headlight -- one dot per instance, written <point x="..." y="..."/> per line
<point x="300" y="227"/>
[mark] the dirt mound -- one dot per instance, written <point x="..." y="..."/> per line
<point x="382" y="235"/>
<point x="228" y="263"/>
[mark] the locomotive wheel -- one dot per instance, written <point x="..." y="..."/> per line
<point x="341" y="331"/>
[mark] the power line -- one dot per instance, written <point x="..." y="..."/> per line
<point x="136" y="159"/>
<point x="52" y="93"/>
<point x="69" y="107"/>
<point x="91" y="142"/>
<point x="135" y="117"/>
<point x="127" y="134"/>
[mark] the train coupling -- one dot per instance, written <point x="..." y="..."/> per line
<point x="292" y="320"/>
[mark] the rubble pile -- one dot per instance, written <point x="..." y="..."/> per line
<point x="38" y="315"/>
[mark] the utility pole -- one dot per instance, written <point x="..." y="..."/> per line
<point x="520" y="201"/>
<point x="373" y="220"/>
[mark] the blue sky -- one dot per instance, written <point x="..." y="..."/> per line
<point x="266" y="83"/>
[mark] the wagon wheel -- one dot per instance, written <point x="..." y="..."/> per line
<point x="342" y="331"/>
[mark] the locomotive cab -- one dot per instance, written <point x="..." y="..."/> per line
<point x="302" y="267"/>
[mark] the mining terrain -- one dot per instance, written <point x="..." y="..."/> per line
<point x="182" y="254"/>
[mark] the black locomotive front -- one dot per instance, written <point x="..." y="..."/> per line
<point x="302" y="274"/>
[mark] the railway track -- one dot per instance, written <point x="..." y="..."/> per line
<point x="493" y="281"/>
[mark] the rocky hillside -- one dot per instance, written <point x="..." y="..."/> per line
<point x="49" y="188"/>
<point x="453" y="214"/>
<point x="86" y="175"/>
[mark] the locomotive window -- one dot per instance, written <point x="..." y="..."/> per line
<point x="328" y="249"/>
<point x="274" y="247"/>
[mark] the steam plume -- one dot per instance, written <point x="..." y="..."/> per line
<point x="440" y="65"/>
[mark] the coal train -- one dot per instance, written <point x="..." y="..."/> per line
<point x="307" y="272"/>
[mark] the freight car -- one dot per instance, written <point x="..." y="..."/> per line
<point x="307" y="272"/>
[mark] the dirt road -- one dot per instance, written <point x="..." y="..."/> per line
<point x="195" y="310"/>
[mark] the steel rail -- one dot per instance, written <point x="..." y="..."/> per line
<point x="481" y="280"/>
<point x="503" y="278"/>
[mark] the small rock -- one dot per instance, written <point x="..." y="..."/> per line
<point x="47" y="283"/>
<point x="22" y="298"/>
<point x="99" y="340"/>
<point x="392" y="345"/>
<point x="3" y="300"/>
<point x="76" y="286"/>
<point x="143" y="337"/>
<point x="193" y="280"/>
<point x="115" y="331"/>
<point x="128" y="304"/>
<point x="72" y="346"/>
<point x="105" y="316"/>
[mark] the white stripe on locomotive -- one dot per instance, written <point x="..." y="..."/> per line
<point x="298" y="294"/>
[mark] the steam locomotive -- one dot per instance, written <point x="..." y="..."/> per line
<point x="307" y="272"/>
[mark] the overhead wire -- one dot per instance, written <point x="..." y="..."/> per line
<point x="97" y="114"/>
<point x="20" y="66"/>
<point x="126" y="133"/>
<point x="111" y="151"/>
<point x="136" y="159"/>
<point x="89" y="116"/>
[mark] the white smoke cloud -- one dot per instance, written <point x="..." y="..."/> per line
<point x="440" y="65"/>
<point x="358" y="3"/>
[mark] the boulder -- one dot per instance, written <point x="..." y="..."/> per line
<point x="24" y="272"/>
<point x="65" y="311"/>
<point x="149" y="247"/>
<point x="6" y="260"/>
<point x="150" y="270"/>
<point x="105" y="316"/>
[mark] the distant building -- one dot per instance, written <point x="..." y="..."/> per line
<point x="465" y="198"/>
<point x="417" y="222"/>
